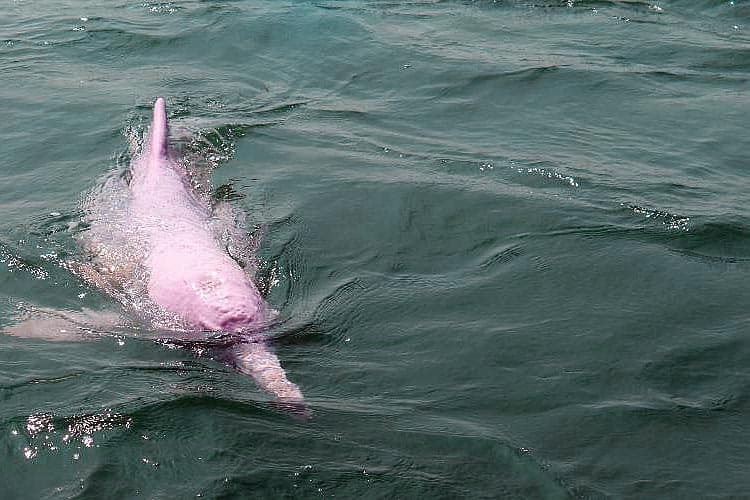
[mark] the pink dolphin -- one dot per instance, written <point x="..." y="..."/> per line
<point x="189" y="274"/>
<point x="152" y="242"/>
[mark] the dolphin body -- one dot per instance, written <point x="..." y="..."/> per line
<point x="167" y="250"/>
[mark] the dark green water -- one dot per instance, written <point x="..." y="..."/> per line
<point x="510" y="242"/>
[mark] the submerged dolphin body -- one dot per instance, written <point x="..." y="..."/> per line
<point x="167" y="254"/>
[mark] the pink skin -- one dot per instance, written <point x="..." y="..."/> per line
<point x="190" y="275"/>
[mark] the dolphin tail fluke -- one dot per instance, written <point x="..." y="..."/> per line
<point x="258" y="361"/>
<point x="159" y="132"/>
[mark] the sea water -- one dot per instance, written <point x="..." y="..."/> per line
<point x="509" y="244"/>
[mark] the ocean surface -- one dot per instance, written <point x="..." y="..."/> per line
<point x="509" y="244"/>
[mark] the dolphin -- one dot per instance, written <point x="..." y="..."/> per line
<point x="155" y="248"/>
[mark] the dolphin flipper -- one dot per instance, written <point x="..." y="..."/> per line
<point x="62" y="326"/>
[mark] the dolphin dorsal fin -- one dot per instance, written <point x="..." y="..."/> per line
<point x="159" y="132"/>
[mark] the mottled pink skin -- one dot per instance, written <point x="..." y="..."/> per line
<point x="190" y="275"/>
